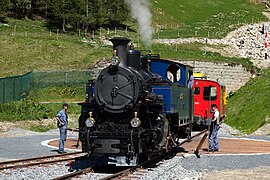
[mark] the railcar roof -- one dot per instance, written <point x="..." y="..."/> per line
<point x="212" y="81"/>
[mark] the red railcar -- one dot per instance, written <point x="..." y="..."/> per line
<point x="206" y="93"/>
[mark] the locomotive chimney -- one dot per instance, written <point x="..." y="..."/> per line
<point x="120" y="45"/>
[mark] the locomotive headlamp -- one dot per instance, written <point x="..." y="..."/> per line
<point x="135" y="122"/>
<point x="90" y="122"/>
<point x="115" y="59"/>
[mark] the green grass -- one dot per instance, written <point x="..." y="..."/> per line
<point x="208" y="18"/>
<point x="25" y="109"/>
<point x="58" y="94"/>
<point x="42" y="104"/>
<point x="42" y="128"/>
<point x="193" y="51"/>
<point x="248" y="108"/>
<point x="30" y="46"/>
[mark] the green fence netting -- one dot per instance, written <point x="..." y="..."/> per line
<point x="17" y="87"/>
<point x="43" y="79"/>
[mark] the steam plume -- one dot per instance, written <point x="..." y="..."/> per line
<point x="141" y="12"/>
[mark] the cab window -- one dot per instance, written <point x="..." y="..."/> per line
<point x="210" y="93"/>
<point x="173" y="73"/>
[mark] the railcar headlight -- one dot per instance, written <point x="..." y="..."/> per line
<point x="90" y="122"/>
<point x="135" y="122"/>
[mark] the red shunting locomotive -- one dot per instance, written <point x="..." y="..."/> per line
<point x="206" y="93"/>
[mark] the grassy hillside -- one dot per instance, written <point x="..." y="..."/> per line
<point x="248" y="108"/>
<point x="29" y="45"/>
<point x="178" y="18"/>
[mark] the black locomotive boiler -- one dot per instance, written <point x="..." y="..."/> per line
<point x="136" y="108"/>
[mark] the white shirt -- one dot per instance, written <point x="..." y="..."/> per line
<point x="216" y="114"/>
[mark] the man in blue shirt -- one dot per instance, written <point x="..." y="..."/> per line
<point x="62" y="122"/>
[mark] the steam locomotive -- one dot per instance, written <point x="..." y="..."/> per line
<point x="137" y="107"/>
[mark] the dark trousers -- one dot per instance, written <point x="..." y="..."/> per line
<point x="213" y="137"/>
<point x="63" y="137"/>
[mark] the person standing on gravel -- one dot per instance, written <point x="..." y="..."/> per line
<point x="62" y="122"/>
<point x="213" y="135"/>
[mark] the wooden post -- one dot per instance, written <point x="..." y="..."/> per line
<point x="14" y="31"/>
<point x="57" y="32"/>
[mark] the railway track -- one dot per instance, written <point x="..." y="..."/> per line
<point x="129" y="171"/>
<point x="20" y="163"/>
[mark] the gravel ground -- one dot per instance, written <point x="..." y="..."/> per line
<point x="25" y="144"/>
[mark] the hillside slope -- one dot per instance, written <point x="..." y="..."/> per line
<point x="248" y="108"/>
<point x="197" y="18"/>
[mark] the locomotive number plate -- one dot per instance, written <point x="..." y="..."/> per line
<point x="181" y="96"/>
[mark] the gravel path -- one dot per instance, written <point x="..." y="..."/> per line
<point x="25" y="144"/>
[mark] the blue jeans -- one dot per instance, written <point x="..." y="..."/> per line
<point x="63" y="137"/>
<point x="213" y="137"/>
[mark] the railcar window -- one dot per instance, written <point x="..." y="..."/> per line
<point x="210" y="93"/>
<point x="196" y="90"/>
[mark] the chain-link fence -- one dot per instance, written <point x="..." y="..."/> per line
<point x="17" y="87"/>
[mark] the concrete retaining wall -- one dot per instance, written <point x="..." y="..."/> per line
<point x="234" y="76"/>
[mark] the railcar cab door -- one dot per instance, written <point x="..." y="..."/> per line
<point x="210" y="96"/>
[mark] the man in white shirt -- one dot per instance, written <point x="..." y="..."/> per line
<point x="213" y="136"/>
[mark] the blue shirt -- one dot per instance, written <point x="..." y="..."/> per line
<point x="62" y="115"/>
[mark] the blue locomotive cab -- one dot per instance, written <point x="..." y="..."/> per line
<point x="172" y="71"/>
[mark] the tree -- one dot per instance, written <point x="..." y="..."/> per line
<point x="100" y="12"/>
<point x="117" y="12"/>
<point x="4" y="7"/>
<point x="21" y="8"/>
